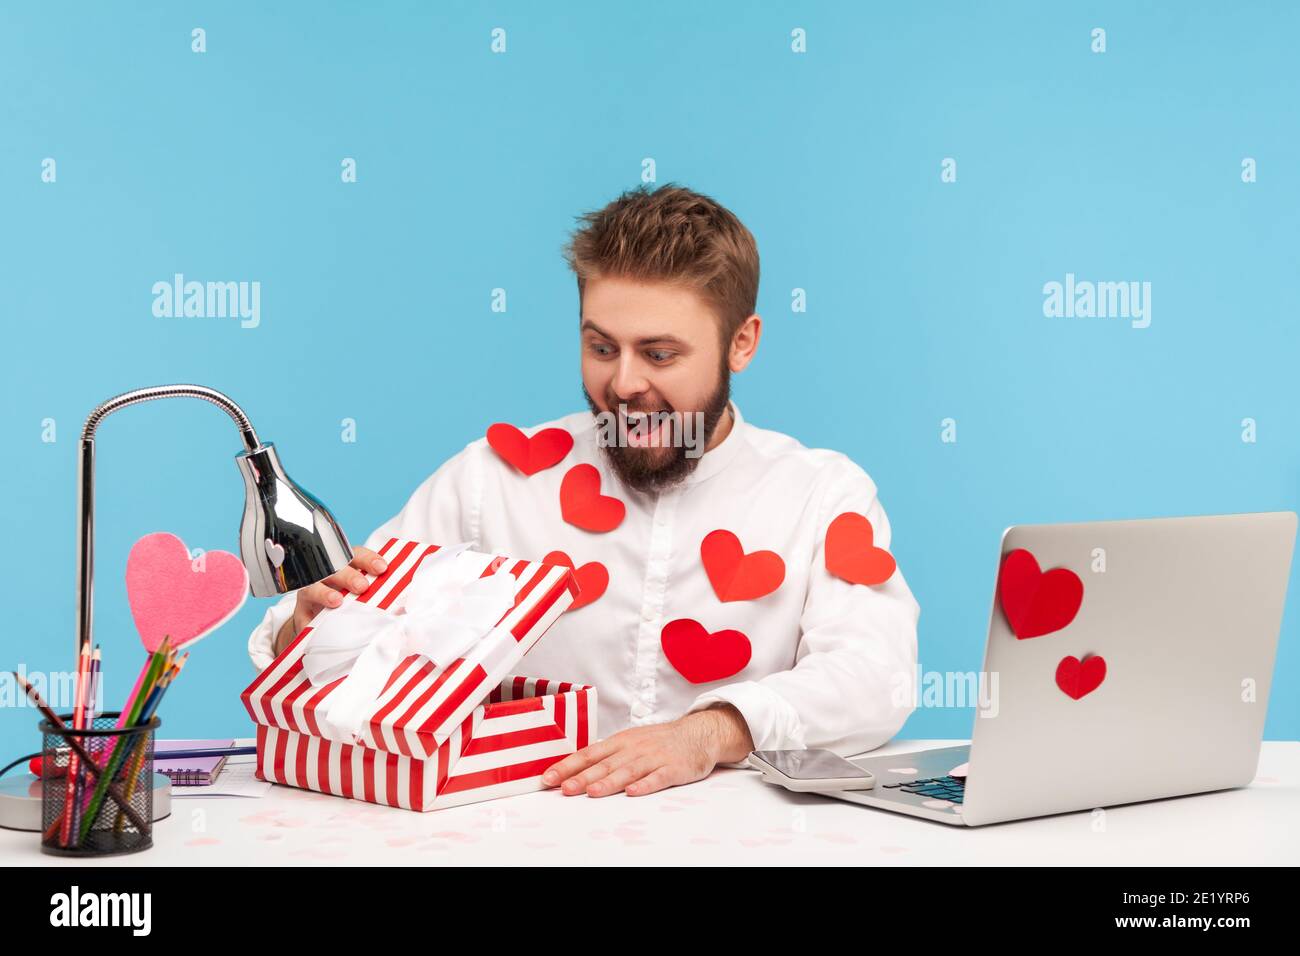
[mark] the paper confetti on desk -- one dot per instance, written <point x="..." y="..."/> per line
<point x="436" y="736"/>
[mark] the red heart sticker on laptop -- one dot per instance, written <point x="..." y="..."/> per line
<point x="1037" y="603"/>
<point x="530" y="455"/>
<point x="1080" y="677"/>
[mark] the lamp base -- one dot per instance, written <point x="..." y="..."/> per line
<point x="20" y="801"/>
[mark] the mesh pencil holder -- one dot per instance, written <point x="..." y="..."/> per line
<point x="99" y="810"/>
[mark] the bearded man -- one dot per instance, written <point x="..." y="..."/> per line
<point x="745" y="597"/>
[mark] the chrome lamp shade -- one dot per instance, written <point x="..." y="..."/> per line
<point x="287" y="538"/>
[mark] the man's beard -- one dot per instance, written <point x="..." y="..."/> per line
<point x="639" y="470"/>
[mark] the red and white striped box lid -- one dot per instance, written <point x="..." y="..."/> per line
<point x="421" y="705"/>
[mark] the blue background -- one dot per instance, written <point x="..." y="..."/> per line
<point x="924" y="298"/>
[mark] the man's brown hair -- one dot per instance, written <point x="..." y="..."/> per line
<point x="671" y="234"/>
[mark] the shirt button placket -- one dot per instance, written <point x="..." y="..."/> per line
<point x="652" y="604"/>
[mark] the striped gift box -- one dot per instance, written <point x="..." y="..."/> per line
<point x="438" y="737"/>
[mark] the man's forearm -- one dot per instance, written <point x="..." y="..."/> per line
<point x="727" y="731"/>
<point x="283" y="639"/>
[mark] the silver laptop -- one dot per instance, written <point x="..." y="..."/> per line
<point x="1185" y="613"/>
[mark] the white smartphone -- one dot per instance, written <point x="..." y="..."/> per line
<point x="810" y="770"/>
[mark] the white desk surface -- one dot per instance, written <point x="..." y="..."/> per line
<point x="731" y="817"/>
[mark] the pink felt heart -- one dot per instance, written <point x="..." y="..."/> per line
<point x="174" y="595"/>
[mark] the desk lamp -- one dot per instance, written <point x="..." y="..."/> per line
<point x="287" y="538"/>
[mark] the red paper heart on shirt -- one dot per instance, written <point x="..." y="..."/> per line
<point x="701" y="657"/>
<point x="1037" y="603"/>
<point x="592" y="577"/>
<point x="735" y="575"/>
<point x="1077" y="677"/>
<point x="530" y="455"/>
<point x="582" y="504"/>
<point x="851" y="555"/>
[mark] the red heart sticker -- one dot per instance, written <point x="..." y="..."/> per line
<point x="851" y="555"/>
<point x="592" y="577"/>
<point x="702" y="657"/>
<point x="735" y="575"/>
<point x="1037" y="603"/>
<point x="530" y="455"/>
<point x="1077" y="677"/>
<point x="582" y="504"/>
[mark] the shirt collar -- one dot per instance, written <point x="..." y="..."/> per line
<point x="716" y="459"/>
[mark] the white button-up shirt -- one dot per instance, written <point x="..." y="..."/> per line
<point x="832" y="664"/>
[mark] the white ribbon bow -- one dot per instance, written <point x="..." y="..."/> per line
<point x="441" y="613"/>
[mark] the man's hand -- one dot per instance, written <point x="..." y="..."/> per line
<point x="323" y="594"/>
<point x="642" y="760"/>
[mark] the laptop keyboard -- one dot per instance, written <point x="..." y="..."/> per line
<point x="936" y="788"/>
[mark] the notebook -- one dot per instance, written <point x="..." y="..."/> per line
<point x="190" y="771"/>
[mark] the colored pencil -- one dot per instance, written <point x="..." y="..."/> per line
<point x="72" y="782"/>
<point x="88" y="721"/>
<point x="78" y="723"/>
<point x="135" y="691"/>
<point x="210" y="752"/>
<point x="142" y="749"/>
